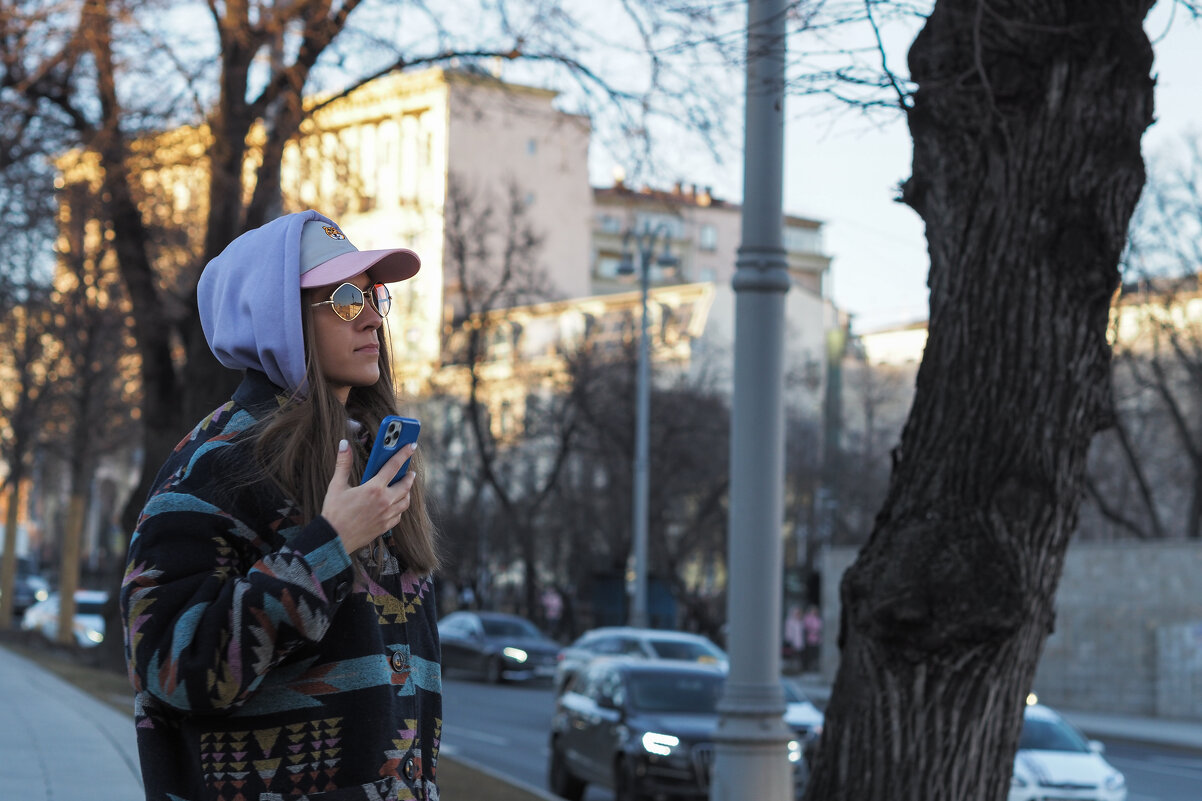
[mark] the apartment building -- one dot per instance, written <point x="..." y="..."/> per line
<point x="382" y="159"/>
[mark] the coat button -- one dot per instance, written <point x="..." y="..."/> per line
<point x="341" y="591"/>
<point x="409" y="768"/>
<point x="399" y="662"/>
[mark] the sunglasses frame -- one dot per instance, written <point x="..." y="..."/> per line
<point x="369" y="296"/>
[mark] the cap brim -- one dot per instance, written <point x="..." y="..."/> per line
<point x="385" y="266"/>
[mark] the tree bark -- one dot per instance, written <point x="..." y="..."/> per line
<point x="1027" y="166"/>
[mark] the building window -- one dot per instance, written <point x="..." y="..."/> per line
<point x="607" y="266"/>
<point x="610" y="224"/>
<point x="806" y="240"/>
<point x="708" y="240"/>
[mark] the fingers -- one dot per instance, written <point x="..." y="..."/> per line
<point x="359" y="514"/>
<point x="394" y="464"/>
<point x="342" y="465"/>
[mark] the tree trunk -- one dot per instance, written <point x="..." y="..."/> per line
<point x="1027" y="166"/>
<point x="8" y="561"/>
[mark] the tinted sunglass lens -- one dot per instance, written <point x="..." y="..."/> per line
<point x="347" y="301"/>
<point x="381" y="299"/>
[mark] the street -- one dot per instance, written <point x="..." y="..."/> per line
<point x="505" y="730"/>
<point x="1157" y="774"/>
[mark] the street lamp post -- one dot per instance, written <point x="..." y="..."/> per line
<point x="752" y="740"/>
<point x="644" y="241"/>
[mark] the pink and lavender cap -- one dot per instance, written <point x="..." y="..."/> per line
<point x="328" y="257"/>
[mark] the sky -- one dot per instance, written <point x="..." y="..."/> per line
<point x="844" y="169"/>
<point x="847" y="172"/>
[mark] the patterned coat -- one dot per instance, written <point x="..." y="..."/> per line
<point x="265" y="666"/>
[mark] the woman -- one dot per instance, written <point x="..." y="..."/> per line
<point x="280" y="620"/>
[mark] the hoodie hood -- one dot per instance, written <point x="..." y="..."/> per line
<point x="249" y="301"/>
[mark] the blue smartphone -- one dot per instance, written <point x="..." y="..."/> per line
<point x="394" y="434"/>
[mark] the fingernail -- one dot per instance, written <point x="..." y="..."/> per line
<point x="412" y="447"/>
<point x="343" y="445"/>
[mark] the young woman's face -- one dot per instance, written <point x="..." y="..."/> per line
<point x="348" y="352"/>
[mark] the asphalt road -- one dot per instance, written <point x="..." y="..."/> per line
<point x="504" y="728"/>
<point x="1157" y="773"/>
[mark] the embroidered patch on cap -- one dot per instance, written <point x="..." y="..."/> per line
<point x="332" y="232"/>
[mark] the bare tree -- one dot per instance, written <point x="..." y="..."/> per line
<point x="26" y="319"/>
<point x="688" y="444"/>
<point x="1145" y="477"/>
<point x="521" y="430"/>
<point x="27" y="336"/>
<point x="93" y="400"/>
<point x="1026" y="124"/>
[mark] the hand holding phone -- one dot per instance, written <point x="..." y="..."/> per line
<point x="394" y="434"/>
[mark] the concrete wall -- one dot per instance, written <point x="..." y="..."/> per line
<point x="1128" y="636"/>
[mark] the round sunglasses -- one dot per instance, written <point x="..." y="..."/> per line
<point x="348" y="300"/>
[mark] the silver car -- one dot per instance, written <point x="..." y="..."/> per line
<point x="682" y="646"/>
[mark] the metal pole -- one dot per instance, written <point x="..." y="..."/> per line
<point x="752" y="739"/>
<point x="638" y="614"/>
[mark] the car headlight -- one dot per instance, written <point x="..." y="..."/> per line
<point x="794" y="751"/>
<point x="41" y="595"/>
<point x="659" y="744"/>
<point x="1115" y="781"/>
<point x="516" y="654"/>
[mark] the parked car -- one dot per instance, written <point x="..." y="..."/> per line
<point x="641" y="727"/>
<point x="29" y="587"/>
<point x="1054" y="759"/>
<point x="496" y="646"/>
<point x="635" y="642"/>
<point x="42" y="617"/>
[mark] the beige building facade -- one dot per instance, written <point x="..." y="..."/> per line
<point x="381" y="162"/>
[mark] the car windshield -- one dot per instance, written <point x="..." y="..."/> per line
<point x="509" y="628"/>
<point x="683" y="649"/>
<point x="1051" y="735"/>
<point x="792" y="694"/>
<point x="675" y="692"/>
<point x="89" y="607"/>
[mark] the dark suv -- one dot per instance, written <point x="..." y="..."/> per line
<point x="643" y="728"/>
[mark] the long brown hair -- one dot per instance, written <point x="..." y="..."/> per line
<point x="297" y="445"/>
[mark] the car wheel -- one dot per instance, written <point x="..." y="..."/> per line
<point x="492" y="672"/>
<point x="626" y="783"/>
<point x="561" y="780"/>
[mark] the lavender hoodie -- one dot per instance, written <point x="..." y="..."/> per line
<point x="249" y="301"/>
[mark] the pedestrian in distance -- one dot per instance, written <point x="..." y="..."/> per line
<point x="280" y="619"/>
<point x="811" y="622"/>
<point x="794" y="637"/>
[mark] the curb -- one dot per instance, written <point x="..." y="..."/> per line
<point x="534" y="792"/>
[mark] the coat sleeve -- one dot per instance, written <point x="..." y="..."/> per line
<point x="210" y="604"/>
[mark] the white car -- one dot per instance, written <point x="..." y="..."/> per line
<point x="800" y="713"/>
<point x="1055" y="760"/>
<point x="682" y="646"/>
<point x="42" y="617"/>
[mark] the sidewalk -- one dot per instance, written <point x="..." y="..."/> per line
<point x="58" y="742"/>
<point x="1128" y="728"/>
